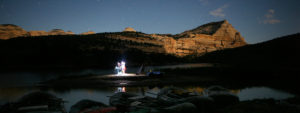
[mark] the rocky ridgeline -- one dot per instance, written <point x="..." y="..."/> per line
<point x="206" y="38"/>
<point x="8" y="31"/>
<point x="88" y="33"/>
<point x="52" y="32"/>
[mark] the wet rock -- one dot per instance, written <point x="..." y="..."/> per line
<point x="86" y="105"/>
<point x="224" y="99"/>
<point x="182" y="108"/>
<point x="261" y="106"/>
<point x="173" y="93"/>
<point x="204" y="104"/>
<point x="35" y="102"/>
<point x="215" y="90"/>
<point x="121" y="101"/>
<point x="121" y="98"/>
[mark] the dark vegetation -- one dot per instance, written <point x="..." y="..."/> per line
<point x="275" y="58"/>
<point x="273" y="63"/>
<point x="279" y="52"/>
<point x="78" y="51"/>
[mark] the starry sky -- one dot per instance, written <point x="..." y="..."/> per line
<point x="257" y="20"/>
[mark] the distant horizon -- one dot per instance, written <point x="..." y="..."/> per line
<point x="256" y="20"/>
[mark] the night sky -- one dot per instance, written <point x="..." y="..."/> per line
<point x="257" y="20"/>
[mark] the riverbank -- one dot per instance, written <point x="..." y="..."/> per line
<point x="234" y="78"/>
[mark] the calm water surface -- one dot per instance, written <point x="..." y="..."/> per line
<point x="14" y="85"/>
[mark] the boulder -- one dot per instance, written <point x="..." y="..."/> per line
<point x="224" y="99"/>
<point x="185" y="107"/>
<point x="121" y="101"/>
<point x="87" y="106"/>
<point x="204" y="104"/>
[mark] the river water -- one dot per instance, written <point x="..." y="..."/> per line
<point x="14" y="85"/>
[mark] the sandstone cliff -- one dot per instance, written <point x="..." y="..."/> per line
<point x="8" y="31"/>
<point x="206" y="38"/>
<point x="87" y="33"/>
<point x="129" y="29"/>
<point x="38" y="33"/>
<point x="59" y="32"/>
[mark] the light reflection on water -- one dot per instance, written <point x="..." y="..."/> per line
<point x="14" y="85"/>
<point x="72" y="96"/>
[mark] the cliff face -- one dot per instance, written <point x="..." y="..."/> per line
<point x="38" y="33"/>
<point x="60" y="32"/>
<point x="8" y="30"/>
<point x="206" y="38"/>
<point x="129" y="29"/>
<point x="87" y="33"/>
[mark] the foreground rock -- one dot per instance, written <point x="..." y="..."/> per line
<point x="182" y="108"/>
<point x="263" y="106"/>
<point x="203" y="104"/>
<point x="36" y="102"/>
<point x="172" y="100"/>
<point x="88" y="106"/>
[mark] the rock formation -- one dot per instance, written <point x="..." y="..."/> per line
<point x="37" y="33"/>
<point x="129" y="29"/>
<point x="87" y="33"/>
<point x="206" y="38"/>
<point x="59" y="32"/>
<point x="8" y="31"/>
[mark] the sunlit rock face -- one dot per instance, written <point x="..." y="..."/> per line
<point x="87" y="33"/>
<point x="206" y="38"/>
<point x="37" y="33"/>
<point x="129" y="29"/>
<point x="59" y="32"/>
<point x="52" y="32"/>
<point x="8" y="31"/>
